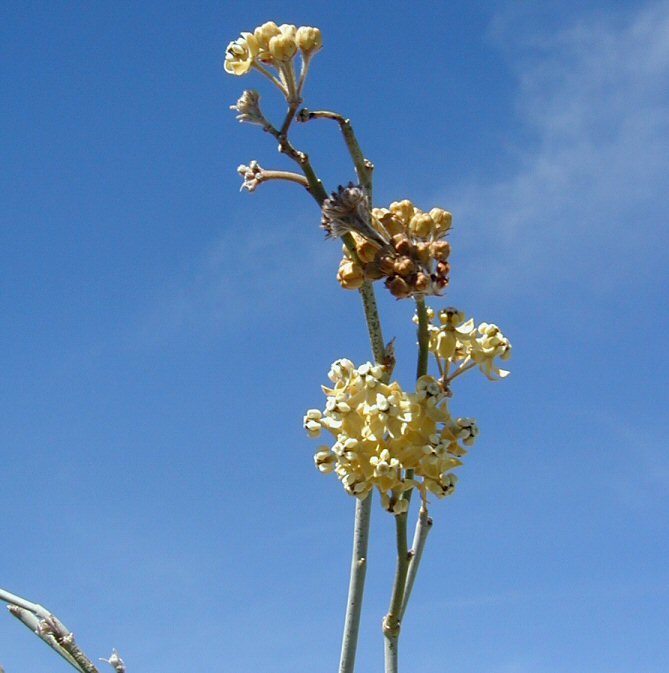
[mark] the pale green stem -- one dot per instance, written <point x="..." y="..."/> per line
<point x="58" y="637"/>
<point x="423" y="528"/>
<point x="391" y="622"/>
<point x="460" y="370"/>
<point x="33" y="623"/>
<point x="306" y="60"/>
<point x="423" y="336"/>
<point x="363" y="509"/>
<point x="363" y="167"/>
<point x="267" y="175"/>
<point x="271" y="77"/>
<point x="403" y="583"/>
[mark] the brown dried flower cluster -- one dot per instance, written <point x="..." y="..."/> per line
<point x="401" y="243"/>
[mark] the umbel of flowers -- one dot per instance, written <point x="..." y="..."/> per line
<point x="271" y="50"/>
<point x="400" y="243"/>
<point x="389" y="439"/>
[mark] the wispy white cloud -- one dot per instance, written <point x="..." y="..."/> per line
<point x="589" y="193"/>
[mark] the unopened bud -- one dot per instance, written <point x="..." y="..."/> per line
<point x="421" y="225"/>
<point x="367" y="251"/>
<point x="263" y="34"/>
<point x="404" y="210"/>
<point x="398" y="287"/>
<point x="440" y="250"/>
<point x="405" y="266"/>
<point x="423" y="283"/>
<point x="402" y="244"/>
<point x="283" y="47"/>
<point x="442" y="220"/>
<point x="308" y="39"/>
<point x="350" y="275"/>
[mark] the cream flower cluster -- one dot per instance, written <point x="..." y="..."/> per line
<point x="275" y="46"/>
<point x="381" y="431"/>
<point x="401" y="243"/>
<point x="462" y="345"/>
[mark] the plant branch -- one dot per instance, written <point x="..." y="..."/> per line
<point x="50" y="629"/>
<point x="33" y="623"/>
<point x="363" y="167"/>
<point x="391" y="622"/>
<point x="316" y="188"/>
<point x="356" y="586"/>
<point x="423" y="528"/>
<point x="423" y="337"/>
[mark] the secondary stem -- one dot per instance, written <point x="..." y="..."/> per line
<point x="423" y="337"/>
<point x="363" y="167"/>
<point x="391" y="622"/>
<point x="423" y="528"/>
<point x="363" y="510"/>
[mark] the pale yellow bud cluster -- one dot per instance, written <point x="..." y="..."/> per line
<point x="381" y="431"/>
<point x="274" y="46"/>
<point x="401" y="243"/>
<point x="462" y="346"/>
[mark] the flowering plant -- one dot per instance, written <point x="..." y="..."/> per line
<point x="383" y="437"/>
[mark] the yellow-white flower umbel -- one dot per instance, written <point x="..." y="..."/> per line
<point x="460" y="346"/>
<point x="380" y="431"/>
<point x="274" y="47"/>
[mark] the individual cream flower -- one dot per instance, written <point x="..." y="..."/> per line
<point x="240" y="54"/>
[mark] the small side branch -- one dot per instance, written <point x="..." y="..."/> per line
<point x="316" y="188"/>
<point x="391" y="622"/>
<point x="423" y="528"/>
<point x="50" y="629"/>
<point x="363" y="167"/>
<point x="423" y="337"/>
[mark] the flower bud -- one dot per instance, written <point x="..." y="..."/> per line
<point x="421" y="225"/>
<point x="404" y="210"/>
<point x="404" y="266"/>
<point x="263" y="34"/>
<point x="366" y="250"/>
<point x="423" y="252"/>
<point x="282" y="47"/>
<point x="442" y="220"/>
<point x="440" y="250"/>
<point x="402" y="244"/>
<point x="423" y="283"/>
<point x="398" y="287"/>
<point x="308" y="39"/>
<point x="350" y="274"/>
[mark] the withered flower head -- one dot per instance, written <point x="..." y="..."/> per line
<point x="400" y="243"/>
<point x="347" y="210"/>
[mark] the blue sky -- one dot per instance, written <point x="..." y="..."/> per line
<point x="162" y="334"/>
